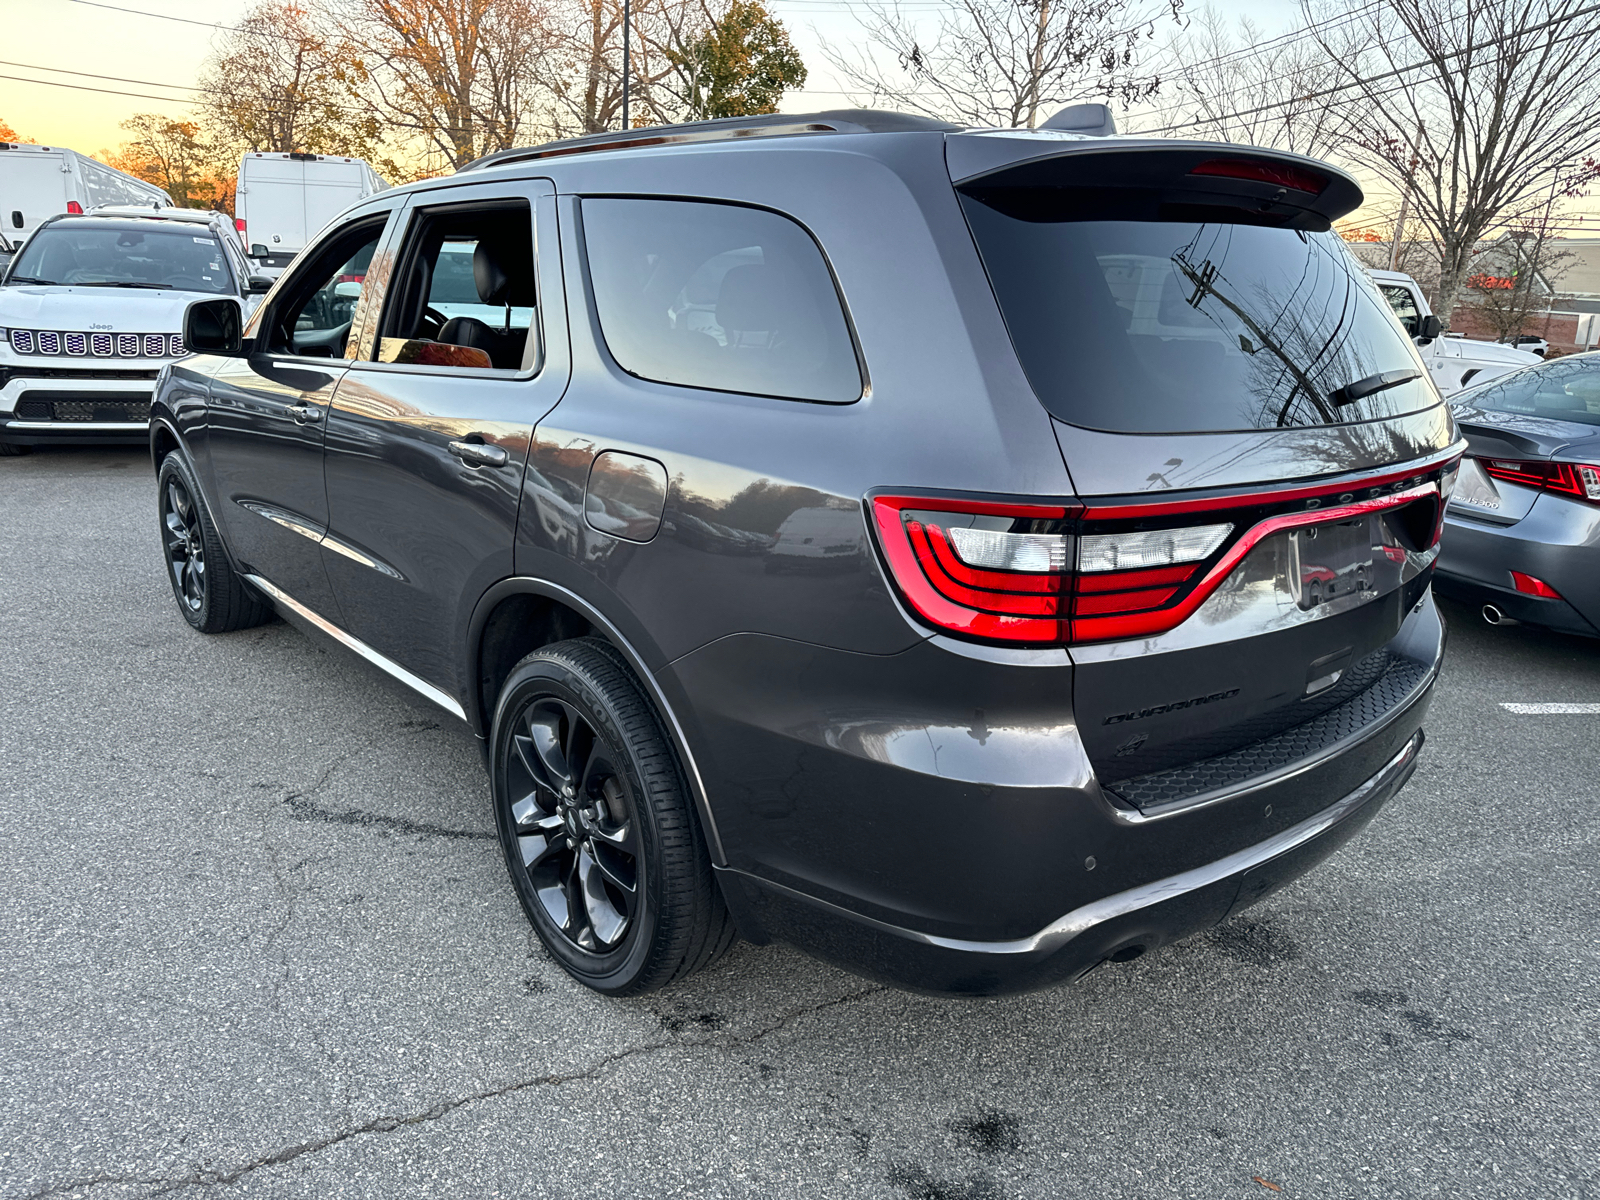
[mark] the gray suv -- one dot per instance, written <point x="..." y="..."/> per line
<point x="969" y="555"/>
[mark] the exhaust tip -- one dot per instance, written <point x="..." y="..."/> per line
<point x="1126" y="954"/>
<point x="1494" y="616"/>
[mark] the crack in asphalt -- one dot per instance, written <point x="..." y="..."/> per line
<point x="389" y="1124"/>
<point x="302" y="808"/>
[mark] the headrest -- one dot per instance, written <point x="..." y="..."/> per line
<point x="494" y="284"/>
<point x="753" y="298"/>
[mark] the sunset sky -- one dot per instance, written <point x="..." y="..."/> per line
<point x="157" y="57"/>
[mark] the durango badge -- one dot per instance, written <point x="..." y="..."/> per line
<point x="1140" y="714"/>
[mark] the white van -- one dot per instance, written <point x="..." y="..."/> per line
<point x="284" y="199"/>
<point x="40" y="182"/>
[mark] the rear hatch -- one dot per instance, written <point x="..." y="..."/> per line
<point x="1255" y="443"/>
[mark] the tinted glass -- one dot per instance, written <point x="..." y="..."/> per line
<point x="108" y="256"/>
<point x="1567" y="389"/>
<point x="718" y="296"/>
<point x="1190" y="326"/>
<point x="453" y="288"/>
<point x="333" y="304"/>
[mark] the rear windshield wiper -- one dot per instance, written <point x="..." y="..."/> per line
<point x="164" y="287"/>
<point x="1382" y="381"/>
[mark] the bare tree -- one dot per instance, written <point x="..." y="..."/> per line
<point x="1233" y="85"/>
<point x="461" y="74"/>
<point x="1002" y="62"/>
<point x="278" y="82"/>
<point x="1470" y="108"/>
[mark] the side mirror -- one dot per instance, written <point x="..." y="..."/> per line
<point x="258" y="285"/>
<point x="1430" y="328"/>
<point x="212" y="327"/>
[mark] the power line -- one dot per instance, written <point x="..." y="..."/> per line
<point x="1405" y="70"/>
<point x="89" y="75"/>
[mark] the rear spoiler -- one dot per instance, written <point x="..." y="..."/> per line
<point x="1143" y="177"/>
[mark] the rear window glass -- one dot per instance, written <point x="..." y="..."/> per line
<point x="718" y="296"/>
<point x="1190" y="326"/>
<point x="1567" y="389"/>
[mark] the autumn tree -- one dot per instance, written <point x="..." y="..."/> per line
<point x="460" y="76"/>
<point x="8" y="134"/>
<point x="1471" y="109"/>
<point x="279" y="82"/>
<point x="1002" y="62"/>
<point x="739" y="67"/>
<point x="584" y="76"/>
<point x="175" y="158"/>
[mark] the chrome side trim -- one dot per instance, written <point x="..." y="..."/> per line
<point x="416" y="683"/>
<point x="98" y="426"/>
<point x="329" y="542"/>
<point x="305" y="527"/>
<point x="1080" y="920"/>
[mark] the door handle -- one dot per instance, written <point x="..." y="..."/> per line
<point x="477" y="454"/>
<point x="305" y="414"/>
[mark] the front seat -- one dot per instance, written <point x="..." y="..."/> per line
<point x="496" y="285"/>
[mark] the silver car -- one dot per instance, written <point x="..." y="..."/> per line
<point x="1522" y="531"/>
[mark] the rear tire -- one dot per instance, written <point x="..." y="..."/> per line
<point x="210" y="594"/>
<point x="12" y="450"/>
<point x="600" y="836"/>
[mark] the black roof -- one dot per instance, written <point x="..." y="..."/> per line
<point x="844" y="120"/>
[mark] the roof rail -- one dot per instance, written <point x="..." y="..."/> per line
<point x="846" y="120"/>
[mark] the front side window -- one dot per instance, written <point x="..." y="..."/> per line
<point x="718" y="296"/>
<point x="315" y="311"/>
<point x="466" y="291"/>
<point x="115" y="255"/>
<point x="1567" y="389"/>
<point x="1404" y="305"/>
<point x="1188" y="325"/>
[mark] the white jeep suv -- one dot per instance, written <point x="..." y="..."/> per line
<point x="91" y="308"/>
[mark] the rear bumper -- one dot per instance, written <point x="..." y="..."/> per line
<point x="1558" y="542"/>
<point x="1125" y="924"/>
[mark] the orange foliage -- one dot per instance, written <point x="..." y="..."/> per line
<point x="8" y="134"/>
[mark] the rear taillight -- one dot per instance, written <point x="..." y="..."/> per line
<point x="238" y="223"/>
<point x="1040" y="574"/>
<point x="1579" y="480"/>
<point x="74" y="208"/>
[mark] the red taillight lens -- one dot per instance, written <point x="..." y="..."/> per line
<point x="1037" y="574"/>
<point x="1579" y="480"/>
<point x="75" y="208"/>
<point x="1261" y="171"/>
<point x="238" y="223"/>
<point x="1532" y="586"/>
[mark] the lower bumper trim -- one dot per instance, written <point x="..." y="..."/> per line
<point x="1251" y="865"/>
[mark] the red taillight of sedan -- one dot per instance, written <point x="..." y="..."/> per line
<point x="1578" y="480"/>
<point x="1532" y="585"/>
<point x="1037" y="574"/>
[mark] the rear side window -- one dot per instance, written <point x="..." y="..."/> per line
<point x="1188" y="325"/>
<point x="718" y="296"/>
<point x="1567" y="389"/>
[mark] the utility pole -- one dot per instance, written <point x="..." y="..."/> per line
<point x="627" y="65"/>
<point x="1405" y="203"/>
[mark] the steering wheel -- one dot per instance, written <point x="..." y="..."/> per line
<point x="432" y="323"/>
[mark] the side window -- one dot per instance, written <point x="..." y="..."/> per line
<point x="315" y="313"/>
<point x="1405" y="307"/>
<point x="465" y="294"/>
<point x="718" y="296"/>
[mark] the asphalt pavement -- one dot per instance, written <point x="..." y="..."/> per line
<point x="256" y="941"/>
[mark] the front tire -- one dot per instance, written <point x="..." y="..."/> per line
<point x="601" y="839"/>
<point x="210" y="594"/>
<point x="13" y="450"/>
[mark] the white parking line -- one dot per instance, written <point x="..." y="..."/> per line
<point x="1539" y="710"/>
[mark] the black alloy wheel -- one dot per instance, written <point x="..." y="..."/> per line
<point x="600" y="837"/>
<point x="210" y="594"/>
<point x="185" y="548"/>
